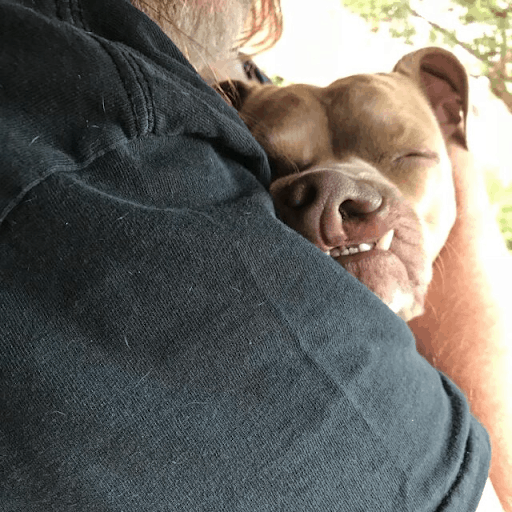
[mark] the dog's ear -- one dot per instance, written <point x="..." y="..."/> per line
<point x="445" y="83"/>
<point x="235" y="92"/>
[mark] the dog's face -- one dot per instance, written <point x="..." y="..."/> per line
<point x="361" y="168"/>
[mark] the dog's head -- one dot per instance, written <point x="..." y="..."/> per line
<point x="361" y="167"/>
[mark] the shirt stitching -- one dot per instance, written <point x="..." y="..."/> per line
<point x="145" y="88"/>
<point x="77" y="13"/>
<point x="114" y="58"/>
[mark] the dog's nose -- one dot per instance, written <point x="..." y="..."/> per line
<point x="319" y="203"/>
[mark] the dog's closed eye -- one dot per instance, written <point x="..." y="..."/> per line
<point x="429" y="155"/>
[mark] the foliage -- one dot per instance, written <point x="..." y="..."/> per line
<point x="491" y="31"/>
<point x="277" y="80"/>
<point x="501" y="199"/>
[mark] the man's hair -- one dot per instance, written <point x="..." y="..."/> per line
<point x="184" y="22"/>
<point x="265" y="22"/>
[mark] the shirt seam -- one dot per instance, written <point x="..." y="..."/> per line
<point x="132" y="78"/>
<point x="145" y="88"/>
<point x="130" y="95"/>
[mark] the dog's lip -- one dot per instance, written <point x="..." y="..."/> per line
<point x="383" y="243"/>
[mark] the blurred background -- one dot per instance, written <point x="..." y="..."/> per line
<point x="324" y="40"/>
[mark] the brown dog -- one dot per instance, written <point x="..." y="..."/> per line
<point x="361" y="169"/>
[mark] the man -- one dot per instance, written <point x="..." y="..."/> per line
<point x="168" y="343"/>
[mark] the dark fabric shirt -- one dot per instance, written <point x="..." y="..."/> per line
<point x="167" y="344"/>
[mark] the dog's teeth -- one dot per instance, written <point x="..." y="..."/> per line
<point x="385" y="242"/>
<point x="365" y="247"/>
<point x="345" y="251"/>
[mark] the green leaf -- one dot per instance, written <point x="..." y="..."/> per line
<point x="476" y="14"/>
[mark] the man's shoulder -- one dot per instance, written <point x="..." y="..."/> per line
<point x="80" y="82"/>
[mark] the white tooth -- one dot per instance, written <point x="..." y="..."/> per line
<point x="385" y="242"/>
<point x="344" y="252"/>
<point x="335" y="252"/>
<point x="327" y="252"/>
<point x="365" y="247"/>
<point x="353" y="250"/>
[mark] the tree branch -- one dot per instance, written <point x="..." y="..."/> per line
<point x="446" y="32"/>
